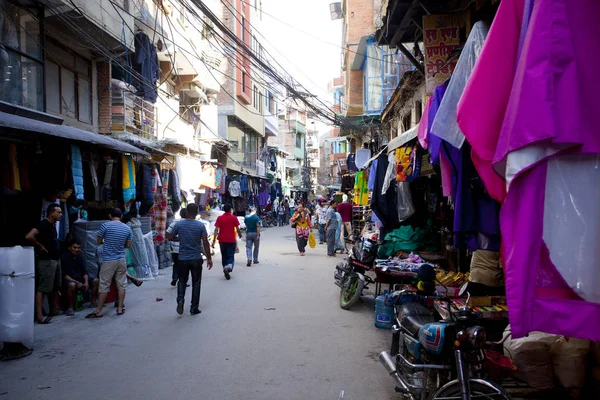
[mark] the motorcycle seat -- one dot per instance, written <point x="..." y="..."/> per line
<point x="413" y="316"/>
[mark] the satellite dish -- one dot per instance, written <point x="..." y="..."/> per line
<point x="336" y="10"/>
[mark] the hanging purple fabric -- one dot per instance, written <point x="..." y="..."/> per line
<point x="548" y="152"/>
<point x="433" y="141"/>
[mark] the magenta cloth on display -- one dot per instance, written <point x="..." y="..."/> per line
<point x="424" y="125"/>
<point x="446" y="173"/>
<point x="479" y="114"/>
<point x="548" y="152"/>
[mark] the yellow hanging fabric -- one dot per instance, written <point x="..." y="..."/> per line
<point x="361" y="189"/>
<point x="14" y="166"/>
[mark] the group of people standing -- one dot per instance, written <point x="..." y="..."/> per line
<point x="67" y="272"/>
<point x="332" y="220"/>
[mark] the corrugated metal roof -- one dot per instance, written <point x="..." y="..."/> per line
<point x="32" y="127"/>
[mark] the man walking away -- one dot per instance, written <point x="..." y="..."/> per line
<point x="115" y="236"/>
<point x="175" y="246"/>
<point x="252" y="222"/>
<point x="47" y="265"/>
<point x="225" y="230"/>
<point x="345" y="210"/>
<point x="331" y="227"/>
<point x="322" y="221"/>
<point x="193" y="239"/>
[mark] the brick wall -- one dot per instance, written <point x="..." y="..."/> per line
<point x="359" y="19"/>
<point x="104" y="98"/>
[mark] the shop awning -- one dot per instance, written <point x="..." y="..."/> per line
<point x="403" y="138"/>
<point x="32" y="127"/>
<point x="361" y="53"/>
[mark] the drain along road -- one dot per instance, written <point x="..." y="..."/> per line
<point x="274" y="331"/>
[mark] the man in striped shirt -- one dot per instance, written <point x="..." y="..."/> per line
<point x="115" y="236"/>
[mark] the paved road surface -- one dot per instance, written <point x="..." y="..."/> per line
<point x="275" y="331"/>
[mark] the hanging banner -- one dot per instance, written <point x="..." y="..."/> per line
<point x="440" y="38"/>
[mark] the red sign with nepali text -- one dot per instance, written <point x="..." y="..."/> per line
<point x="440" y="38"/>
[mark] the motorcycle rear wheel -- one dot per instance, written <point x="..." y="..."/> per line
<point x="478" y="391"/>
<point x="351" y="292"/>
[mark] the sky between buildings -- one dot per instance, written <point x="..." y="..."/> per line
<point x="301" y="34"/>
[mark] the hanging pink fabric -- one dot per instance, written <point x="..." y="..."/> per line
<point x="446" y="173"/>
<point x="424" y="125"/>
<point x="482" y="106"/>
<point x="548" y="151"/>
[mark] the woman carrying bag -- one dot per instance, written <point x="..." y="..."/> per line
<point x="302" y="222"/>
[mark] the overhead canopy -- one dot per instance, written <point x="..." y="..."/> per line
<point x="32" y="127"/>
<point x="361" y="52"/>
<point x="403" y="139"/>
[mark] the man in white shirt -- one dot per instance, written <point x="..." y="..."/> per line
<point x="322" y="220"/>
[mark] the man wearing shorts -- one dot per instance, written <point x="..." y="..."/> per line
<point x="47" y="265"/>
<point x="115" y="236"/>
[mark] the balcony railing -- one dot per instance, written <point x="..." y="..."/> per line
<point x="295" y="126"/>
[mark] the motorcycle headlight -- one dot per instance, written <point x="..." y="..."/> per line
<point x="477" y="336"/>
<point x="471" y="337"/>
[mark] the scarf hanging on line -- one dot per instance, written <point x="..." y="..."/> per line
<point x="128" y="178"/>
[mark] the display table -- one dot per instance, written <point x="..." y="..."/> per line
<point x="394" y="272"/>
<point x="493" y="312"/>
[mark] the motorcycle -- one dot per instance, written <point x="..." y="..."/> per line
<point x="268" y="219"/>
<point x="437" y="360"/>
<point x="350" y="274"/>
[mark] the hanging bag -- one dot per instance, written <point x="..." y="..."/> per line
<point x="311" y="240"/>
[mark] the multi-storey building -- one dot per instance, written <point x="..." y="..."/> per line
<point x="247" y="106"/>
<point x="86" y="73"/>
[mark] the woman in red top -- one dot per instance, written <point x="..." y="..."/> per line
<point x="303" y="226"/>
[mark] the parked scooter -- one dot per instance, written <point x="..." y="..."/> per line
<point x="350" y="274"/>
<point x="437" y="360"/>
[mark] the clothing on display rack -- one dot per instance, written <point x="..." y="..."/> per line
<point x="445" y="125"/>
<point x="408" y="163"/>
<point x="362" y="156"/>
<point x="14" y="176"/>
<point x="244" y="188"/>
<point x="545" y="159"/>
<point x="351" y="163"/>
<point x="208" y="177"/>
<point x="384" y="204"/>
<point x="372" y="175"/>
<point x="234" y="189"/>
<point x="77" y="171"/>
<point x="347" y="183"/>
<point x="128" y="168"/>
<point x="144" y="188"/>
<point x="174" y="191"/>
<point x="219" y="178"/>
<point x="361" y="190"/>
<point x="139" y="255"/>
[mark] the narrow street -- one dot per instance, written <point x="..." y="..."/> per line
<point x="275" y="331"/>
